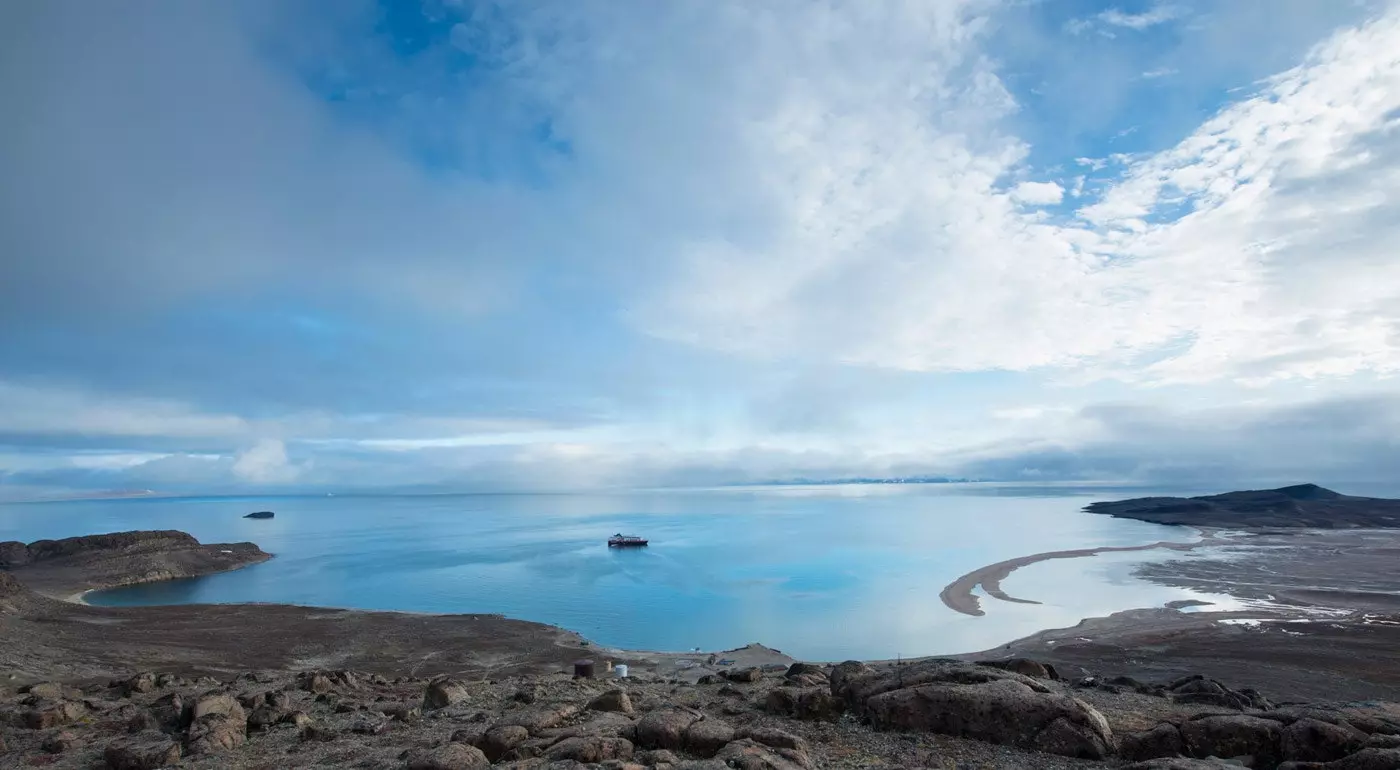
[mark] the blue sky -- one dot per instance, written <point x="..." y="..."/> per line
<point x="454" y="245"/>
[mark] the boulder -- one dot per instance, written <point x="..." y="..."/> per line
<point x="469" y="735"/>
<point x="221" y="704"/>
<point x="1164" y="740"/>
<point x="443" y="692"/>
<point x="141" y="752"/>
<point x="750" y="755"/>
<point x="264" y="717"/>
<point x="45" y="690"/>
<point x="370" y="726"/>
<point x="1233" y="735"/>
<point x="589" y="750"/>
<point x="1368" y="759"/>
<point x="1024" y="666"/>
<point x="541" y="717"/>
<point x="612" y="700"/>
<point x="44" y="714"/>
<point x="171" y="711"/>
<point x="500" y="739"/>
<point x="1006" y="712"/>
<point x="705" y="737"/>
<point x="298" y="719"/>
<point x="1311" y="740"/>
<point x="773" y="737"/>
<point x="665" y="729"/>
<point x="317" y="683"/>
<point x="142" y="682"/>
<point x="1382" y="741"/>
<point x="448" y="756"/>
<point x="750" y="674"/>
<point x="803" y="669"/>
<point x="60" y="742"/>
<point x="1183" y="763"/>
<point x="657" y="757"/>
<point x="856" y="686"/>
<point x="217" y="733"/>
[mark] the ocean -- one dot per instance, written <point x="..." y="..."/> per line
<point x="821" y="572"/>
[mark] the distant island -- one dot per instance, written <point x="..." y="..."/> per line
<point x="260" y="515"/>
<point x="1302" y="506"/>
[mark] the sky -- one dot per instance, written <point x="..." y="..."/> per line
<point x="457" y="245"/>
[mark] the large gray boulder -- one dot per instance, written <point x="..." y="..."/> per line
<point x="1233" y="735"/>
<point x="989" y="704"/>
<point x="665" y="729"/>
<point x="1312" y="740"/>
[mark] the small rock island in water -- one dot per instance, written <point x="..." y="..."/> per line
<point x="1301" y="505"/>
<point x="260" y="515"/>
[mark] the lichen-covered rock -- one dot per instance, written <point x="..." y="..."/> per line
<point x="140" y="683"/>
<point x="705" y="737"/>
<point x="1233" y="735"/>
<point x="1023" y="666"/>
<point x="858" y="685"/>
<point x="264" y="717"/>
<point x="171" y="711"/>
<point x="1368" y="759"/>
<point x="1311" y="740"/>
<point x="665" y="728"/>
<point x="297" y="719"/>
<point x="443" y="692"/>
<point x="60" y="742"/>
<point x="221" y="704"/>
<point x="217" y="733"/>
<point x="590" y="750"/>
<point x="747" y="754"/>
<point x="449" y="756"/>
<point x="1164" y="740"/>
<point x="45" y="714"/>
<point x="45" y="690"/>
<point x="141" y="752"/>
<point x="612" y="700"/>
<point x="501" y="739"/>
<point x="1005" y="711"/>
<point x="750" y="674"/>
<point x="540" y="718"/>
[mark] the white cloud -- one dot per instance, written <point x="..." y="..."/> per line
<point x="265" y="463"/>
<point x="1160" y="72"/>
<point x="1254" y="249"/>
<point x="1038" y="193"/>
<point x="1140" y="21"/>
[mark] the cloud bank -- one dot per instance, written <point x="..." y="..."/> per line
<point x="542" y="245"/>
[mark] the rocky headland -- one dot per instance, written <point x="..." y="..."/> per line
<point x="1298" y="506"/>
<point x="73" y="565"/>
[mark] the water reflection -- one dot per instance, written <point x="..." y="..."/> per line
<point x="820" y="572"/>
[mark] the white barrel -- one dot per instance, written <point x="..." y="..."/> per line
<point x="621" y="670"/>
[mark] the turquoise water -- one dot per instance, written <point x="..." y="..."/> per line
<point x="822" y="572"/>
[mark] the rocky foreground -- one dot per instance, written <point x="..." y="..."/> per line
<point x="935" y="713"/>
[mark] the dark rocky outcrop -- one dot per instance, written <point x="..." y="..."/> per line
<point x="260" y="515"/>
<point x="121" y="558"/>
<point x="956" y="698"/>
<point x="1302" y="505"/>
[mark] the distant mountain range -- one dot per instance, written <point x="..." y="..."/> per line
<point x="800" y="481"/>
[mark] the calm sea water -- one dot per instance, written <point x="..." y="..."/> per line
<point x="822" y="572"/>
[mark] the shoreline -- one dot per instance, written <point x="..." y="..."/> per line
<point x="958" y="595"/>
<point x="988" y="576"/>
